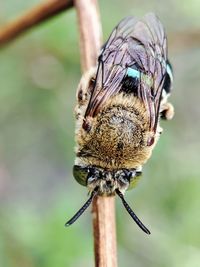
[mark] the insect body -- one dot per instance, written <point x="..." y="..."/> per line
<point x="119" y="106"/>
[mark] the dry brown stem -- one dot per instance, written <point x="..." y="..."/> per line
<point x="104" y="232"/>
<point x="90" y="32"/>
<point x="103" y="211"/>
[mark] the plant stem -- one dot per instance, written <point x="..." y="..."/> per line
<point x="104" y="228"/>
<point x="103" y="210"/>
<point x="90" y="32"/>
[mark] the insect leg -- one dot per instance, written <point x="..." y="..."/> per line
<point x="167" y="111"/>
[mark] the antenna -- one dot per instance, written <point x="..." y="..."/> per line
<point x="133" y="215"/>
<point x="82" y="209"/>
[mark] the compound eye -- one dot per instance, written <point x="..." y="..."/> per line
<point x="80" y="174"/>
<point x="150" y="141"/>
<point x="134" y="178"/>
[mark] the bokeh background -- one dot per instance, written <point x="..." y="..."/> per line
<point x="39" y="73"/>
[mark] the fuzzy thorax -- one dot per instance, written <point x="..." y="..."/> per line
<point x="117" y="136"/>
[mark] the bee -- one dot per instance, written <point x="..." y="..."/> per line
<point x="119" y="106"/>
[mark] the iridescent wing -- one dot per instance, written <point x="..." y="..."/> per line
<point x="139" y="45"/>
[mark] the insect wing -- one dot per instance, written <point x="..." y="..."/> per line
<point x="134" y="43"/>
<point x="112" y="66"/>
<point x="158" y="63"/>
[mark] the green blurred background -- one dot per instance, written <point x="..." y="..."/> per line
<point x="39" y="73"/>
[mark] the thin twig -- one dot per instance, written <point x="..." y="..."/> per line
<point x="103" y="211"/>
<point x="90" y="32"/>
<point x="104" y="227"/>
<point x="31" y="18"/>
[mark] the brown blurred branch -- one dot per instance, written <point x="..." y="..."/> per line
<point x="31" y="18"/>
<point x="184" y="40"/>
<point x="104" y="228"/>
<point x="50" y="8"/>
